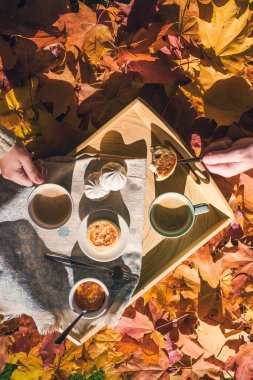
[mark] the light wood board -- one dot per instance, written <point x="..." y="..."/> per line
<point x="131" y="133"/>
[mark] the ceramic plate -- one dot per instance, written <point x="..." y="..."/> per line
<point x="115" y="251"/>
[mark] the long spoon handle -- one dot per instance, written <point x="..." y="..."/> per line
<point x="189" y="160"/>
<point x="60" y="338"/>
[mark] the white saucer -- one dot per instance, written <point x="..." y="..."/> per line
<point x="109" y="254"/>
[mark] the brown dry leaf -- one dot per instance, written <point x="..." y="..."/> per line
<point x="105" y="340"/>
<point x="136" y="327"/>
<point x="241" y="262"/>
<point x="244" y="195"/>
<point x="5" y="343"/>
<point x="128" y="345"/>
<point x="49" y="350"/>
<point x="166" y="295"/>
<point x="188" y="27"/>
<point x="8" y="59"/>
<point x="113" y="95"/>
<point x="191" y="279"/>
<point x="150" y="350"/>
<point x="227" y="33"/>
<point x="60" y="93"/>
<point x="203" y="262"/>
<point x="186" y="374"/>
<point x="136" y="369"/>
<point x="77" y="25"/>
<point x="192" y="348"/>
<point x="203" y="367"/>
<point x="242" y="363"/>
<point x="212" y="94"/>
<point x="213" y="342"/>
<point x="25" y="339"/>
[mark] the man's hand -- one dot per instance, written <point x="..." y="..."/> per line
<point x="17" y="166"/>
<point x="228" y="158"/>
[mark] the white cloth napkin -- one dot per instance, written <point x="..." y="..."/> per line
<point x="29" y="282"/>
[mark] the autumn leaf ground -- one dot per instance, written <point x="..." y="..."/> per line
<point x="66" y="69"/>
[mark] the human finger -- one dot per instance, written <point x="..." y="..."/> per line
<point x="20" y="177"/>
<point x="221" y="144"/>
<point x="222" y="157"/>
<point x="30" y="169"/>
<point x="41" y="167"/>
<point x="226" y="169"/>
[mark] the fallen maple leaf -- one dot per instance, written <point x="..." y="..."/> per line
<point x="158" y="71"/>
<point x="241" y="262"/>
<point x="135" y="18"/>
<point x="203" y="262"/>
<point x="203" y="367"/>
<point x="191" y="279"/>
<point x="213" y="342"/>
<point x="136" y="327"/>
<point x="48" y="349"/>
<point x="227" y="33"/>
<point x="138" y="370"/>
<point x="25" y="339"/>
<point x="244" y="202"/>
<point x="77" y="25"/>
<point x="212" y="94"/>
<point x="128" y="345"/>
<point x="97" y="40"/>
<point x="242" y="363"/>
<point x="5" y="343"/>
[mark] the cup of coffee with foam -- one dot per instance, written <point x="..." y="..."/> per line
<point x="172" y="214"/>
<point x="50" y="206"/>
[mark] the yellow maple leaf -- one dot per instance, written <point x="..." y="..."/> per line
<point x="96" y="42"/>
<point x="213" y="95"/>
<point x="19" y="98"/>
<point x="30" y="367"/>
<point x="227" y="33"/>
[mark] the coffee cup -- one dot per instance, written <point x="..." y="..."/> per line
<point x="50" y="206"/>
<point x="172" y="214"/>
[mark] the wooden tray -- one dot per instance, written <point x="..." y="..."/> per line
<point x="131" y="133"/>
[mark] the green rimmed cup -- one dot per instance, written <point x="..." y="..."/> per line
<point x="172" y="214"/>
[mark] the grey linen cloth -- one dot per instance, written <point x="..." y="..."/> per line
<point x="29" y="282"/>
<point x="7" y="140"/>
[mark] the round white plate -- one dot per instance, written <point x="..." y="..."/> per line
<point x="115" y="251"/>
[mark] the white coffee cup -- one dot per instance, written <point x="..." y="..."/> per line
<point x="50" y="206"/>
<point x="172" y="214"/>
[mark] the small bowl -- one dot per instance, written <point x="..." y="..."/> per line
<point x="90" y="314"/>
<point x="116" y="250"/>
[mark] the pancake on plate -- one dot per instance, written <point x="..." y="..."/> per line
<point x="103" y="234"/>
<point x="164" y="161"/>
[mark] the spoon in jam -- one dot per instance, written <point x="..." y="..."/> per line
<point x="61" y="337"/>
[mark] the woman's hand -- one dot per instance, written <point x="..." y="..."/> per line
<point x="228" y="158"/>
<point x="17" y="166"/>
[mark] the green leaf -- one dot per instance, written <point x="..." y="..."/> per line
<point x="106" y="3"/>
<point x="77" y="376"/>
<point x="7" y="372"/>
<point x="99" y="375"/>
<point x="74" y="6"/>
